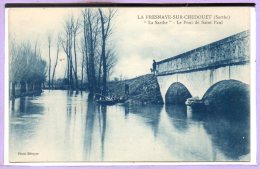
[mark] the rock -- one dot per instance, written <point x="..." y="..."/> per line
<point x="142" y="90"/>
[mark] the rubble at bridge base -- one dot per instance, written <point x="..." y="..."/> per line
<point x="143" y="90"/>
<point x="195" y="103"/>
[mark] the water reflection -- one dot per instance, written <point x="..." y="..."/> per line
<point x="126" y="110"/>
<point x="95" y="131"/>
<point x="178" y="116"/>
<point x="24" y="120"/>
<point x="91" y="109"/>
<point x="69" y="126"/>
<point x="229" y="130"/>
<point x="150" y="114"/>
<point x="23" y="106"/>
<point x="103" y="125"/>
<point x="13" y="104"/>
<point x="229" y="133"/>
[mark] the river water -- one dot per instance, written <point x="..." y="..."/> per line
<point x="59" y="127"/>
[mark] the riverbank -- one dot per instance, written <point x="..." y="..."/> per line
<point x="142" y="90"/>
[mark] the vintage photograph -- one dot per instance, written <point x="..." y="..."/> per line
<point x="129" y="84"/>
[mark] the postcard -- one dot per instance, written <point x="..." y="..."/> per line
<point x="130" y="84"/>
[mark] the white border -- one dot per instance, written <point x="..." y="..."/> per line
<point x="6" y="92"/>
<point x="253" y="138"/>
<point x="253" y="117"/>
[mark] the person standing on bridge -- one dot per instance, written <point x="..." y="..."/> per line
<point x="154" y="67"/>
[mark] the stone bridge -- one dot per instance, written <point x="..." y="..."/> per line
<point x="195" y="73"/>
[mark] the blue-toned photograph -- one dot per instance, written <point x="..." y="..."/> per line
<point x="129" y="84"/>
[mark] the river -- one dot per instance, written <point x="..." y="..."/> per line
<point x="66" y="127"/>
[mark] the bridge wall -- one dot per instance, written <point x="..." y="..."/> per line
<point x="198" y="82"/>
<point x="201" y="68"/>
<point x="228" y="51"/>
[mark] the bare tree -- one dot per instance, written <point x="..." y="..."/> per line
<point x="75" y="27"/>
<point x="91" y="31"/>
<point x="105" y="32"/>
<point x="56" y="60"/>
<point x="49" y="47"/>
<point x="111" y="61"/>
<point x="67" y="45"/>
<point x="82" y="62"/>
<point x="85" y="42"/>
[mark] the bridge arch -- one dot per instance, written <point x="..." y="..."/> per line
<point x="177" y="93"/>
<point x="228" y="95"/>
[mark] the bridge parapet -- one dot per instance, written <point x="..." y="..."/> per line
<point x="228" y="51"/>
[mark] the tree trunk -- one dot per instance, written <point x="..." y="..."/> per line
<point x="68" y="72"/>
<point x="13" y="89"/>
<point x="49" y="64"/>
<point x="99" y="73"/>
<point x="75" y="56"/>
<point x="54" y="69"/>
<point x="103" y="54"/>
<point x="82" y="68"/>
<point x="23" y="87"/>
<point x="104" y="69"/>
<point x="92" y="79"/>
<point x="86" y="46"/>
<point x="70" y="60"/>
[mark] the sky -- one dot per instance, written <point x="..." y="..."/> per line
<point x="135" y="41"/>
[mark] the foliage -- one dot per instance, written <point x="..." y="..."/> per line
<point x="26" y="64"/>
